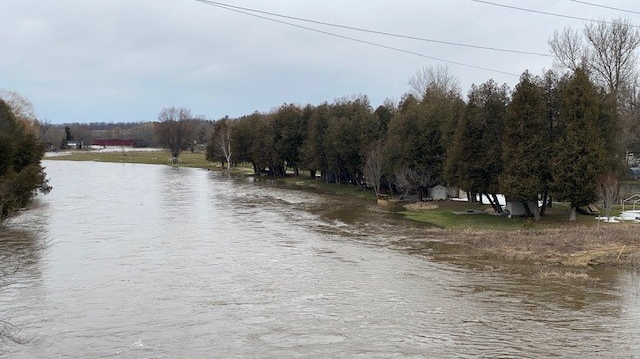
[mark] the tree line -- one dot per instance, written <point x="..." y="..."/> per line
<point x="553" y="135"/>
<point x="550" y="136"/>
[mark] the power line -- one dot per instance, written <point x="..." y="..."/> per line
<point x="605" y="6"/>
<point x="215" y="3"/>
<point x="212" y="3"/>
<point x="543" y="12"/>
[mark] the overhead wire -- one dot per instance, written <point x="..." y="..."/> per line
<point x="543" y="12"/>
<point x="375" y="31"/>
<point x="212" y="3"/>
<point x="605" y="6"/>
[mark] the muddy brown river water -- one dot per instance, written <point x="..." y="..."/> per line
<point x="138" y="261"/>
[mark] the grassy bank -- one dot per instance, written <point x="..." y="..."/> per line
<point x="553" y="240"/>
<point x="469" y="226"/>
<point x="573" y="246"/>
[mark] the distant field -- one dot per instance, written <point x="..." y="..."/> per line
<point x="159" y="157"/>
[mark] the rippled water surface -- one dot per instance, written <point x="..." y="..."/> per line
<point x="135" y="261"/>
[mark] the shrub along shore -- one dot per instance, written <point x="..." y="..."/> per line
<point x="551" y="241"/>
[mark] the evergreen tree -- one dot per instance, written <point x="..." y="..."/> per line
<point x="351" y="129"/>
<point x="477" y="143"/>
<point x="21" y="173"/>
<point x="414" y="143"/>
<point x="244" y="132"/>
<point x="313" y="152"/>
<point x="579" y="149"/>
<point x="525" y="145"/>
<point x="289" y="135"/>
<point x="609" y="128"/>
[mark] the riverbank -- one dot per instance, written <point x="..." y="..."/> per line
<point x="575" y="246"/>
<point x="552" y="240"/>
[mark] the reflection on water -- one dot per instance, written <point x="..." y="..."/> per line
<point x="157" y="262"/>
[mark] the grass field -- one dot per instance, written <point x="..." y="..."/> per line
<point x="187" y="159"/>
<point x="446" y="216"/>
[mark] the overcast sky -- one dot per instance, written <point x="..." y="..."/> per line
<point x="124" y="60"/>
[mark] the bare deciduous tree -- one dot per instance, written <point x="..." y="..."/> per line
<point x="608" y="51"/>
<point x="437" y="78"/>
<point x="608" y="189"/>
<point x="568" y="48"/>
<point x="175" y="130"/>
<point x="223" y="134"/>
<point x="612" y="52"/>
<point x="373" y="166"/>
<point x="20" y="106"/>
<point x="403" y="181"/>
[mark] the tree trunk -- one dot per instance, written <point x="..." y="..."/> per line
<point x="527" y="210"/>
<point x="536" y="213"/>
<point x="498" y="207"/>
<point x="493" y="201"/>
<point x="544" y="202"/>
<point x="490" y="202"/>
<point x="471" y="197"/>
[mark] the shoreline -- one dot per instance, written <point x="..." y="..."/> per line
<point x="552" y="241"/>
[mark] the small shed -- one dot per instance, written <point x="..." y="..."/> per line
<point x="517" y="208"/>
<point x="438" y="193"/>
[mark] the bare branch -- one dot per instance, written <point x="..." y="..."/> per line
<point x="567" y="48"/>
<point x="608" y="189"/>
<point x="438" y="79"/>
<point x="613" y="52"/>
<point x="373" y="166"/>
<point x="175" y="129"/>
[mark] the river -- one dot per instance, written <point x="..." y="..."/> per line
<point x="140" y="261"/>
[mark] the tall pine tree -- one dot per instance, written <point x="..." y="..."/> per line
<point x="578" y="149"/>
<point x="478" y="142"/>
<point x="525" y="146"/>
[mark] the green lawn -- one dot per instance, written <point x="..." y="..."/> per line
<point x="446" y="216"/>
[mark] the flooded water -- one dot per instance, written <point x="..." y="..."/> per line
<point x="135" y="261"/>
